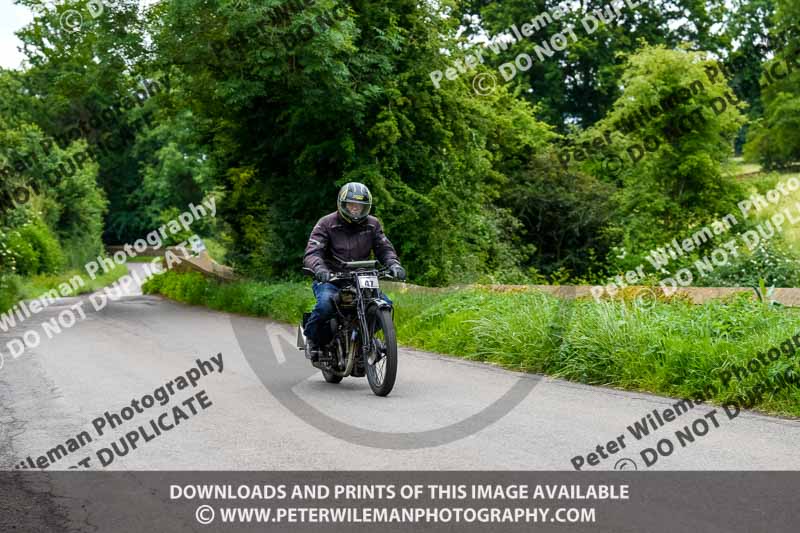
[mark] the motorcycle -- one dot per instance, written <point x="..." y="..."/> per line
<point x="364" y="340"/>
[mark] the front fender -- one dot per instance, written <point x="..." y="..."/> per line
<point x="379" y="303"/>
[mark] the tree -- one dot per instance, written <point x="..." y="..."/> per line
<point x="292" y="107"/>
<point x="774" y="140"/>
<point x="670" y="131"/>
<point x="580" y="83"/>
<point x="88" y="82"/>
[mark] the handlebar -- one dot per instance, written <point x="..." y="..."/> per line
<point x="364" y="267"/>
<point x="370" y="264"/>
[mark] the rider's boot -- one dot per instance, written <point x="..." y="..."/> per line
<point x="312" y="351"/>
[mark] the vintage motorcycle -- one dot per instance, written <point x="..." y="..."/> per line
<point x="364" y="341"/>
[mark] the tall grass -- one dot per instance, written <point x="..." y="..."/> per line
<point x="671" y="348"/>
<point x="35" y="286"/>
<point x="16" y="288"/>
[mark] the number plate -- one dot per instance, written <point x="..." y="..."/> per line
<point x="368" y="282"/>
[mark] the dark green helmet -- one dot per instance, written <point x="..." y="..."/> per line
<point x="355" y="202"/>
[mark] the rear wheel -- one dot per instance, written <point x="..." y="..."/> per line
<point x="382" y="362"/>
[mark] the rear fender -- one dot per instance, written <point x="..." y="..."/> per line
<point x="301" y="338"/>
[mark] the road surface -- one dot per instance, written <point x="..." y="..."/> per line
<point x="133" y="346"/>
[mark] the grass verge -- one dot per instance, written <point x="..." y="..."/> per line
<point x="15" y="288"/>
<point x="675" y="348"/>
<point x="35" y="286"/>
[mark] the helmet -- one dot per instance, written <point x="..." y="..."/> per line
<point x="355" y="202"/>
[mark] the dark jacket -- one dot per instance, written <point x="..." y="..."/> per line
<point x="334" y="240"/>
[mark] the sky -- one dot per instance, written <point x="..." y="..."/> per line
<point x="12" y="18"/>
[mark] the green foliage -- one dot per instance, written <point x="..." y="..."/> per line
<point x="46" y="247"/>
<point x="175" y="172"/>
<point x="218" y="248"/>
<point x="31" y="249"/>
<point x="78" y="209"/>
<point x="89" y="84"/>
<point x="285" y="301"/>
<point x="747" y="40"/>
<point x="770" y="261"/>
<point x="678" y="181"/>
<point x="9" y="290"/>
<point x="774" y="140"/>
<point x="255" y="241"/>
<point x="582" y="82"/>
<point x="35" y="286"/>
<point x="288" y="122"/>
<point x="25" y="258"/>
<point x="14" y="288"/>
<point x="563" y="214"/>
<point x="64" y="193"/>
<point x="218" y="97"/>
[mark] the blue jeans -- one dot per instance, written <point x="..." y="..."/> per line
<point x="317" y="329"/>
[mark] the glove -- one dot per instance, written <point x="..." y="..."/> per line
<point x="398" y="272"/>
<point x="323" y="276"/>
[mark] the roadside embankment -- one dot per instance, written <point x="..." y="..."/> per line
<point x="670" y="347"/>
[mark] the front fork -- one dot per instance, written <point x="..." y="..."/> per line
<point x="367" y="348"/>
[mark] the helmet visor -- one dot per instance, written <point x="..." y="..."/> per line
<point x="356" y="210"/>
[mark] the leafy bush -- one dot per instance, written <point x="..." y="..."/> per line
<point x="217" y="248"/>
<point x="678" y="181"/>
<point x="9" y="291"/>
<point x="67" y="199"/>
<point x="563" y="214"/>
<point x="770" y="261"/>
<point x="34" y="249"/>
<point x="26" y="258"/>
<point x="46" y="245"/>
<point x="79" y="205"/>
<point x="774" y="139"/>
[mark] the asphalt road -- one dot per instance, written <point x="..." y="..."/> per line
<point x="139" y="343"/>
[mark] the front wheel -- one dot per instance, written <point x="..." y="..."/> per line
<point x="382" y="373"/>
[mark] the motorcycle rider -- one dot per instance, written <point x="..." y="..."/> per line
<point x="347" y="234"/>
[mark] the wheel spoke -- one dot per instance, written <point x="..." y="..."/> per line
<point x="381" y="374"/>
